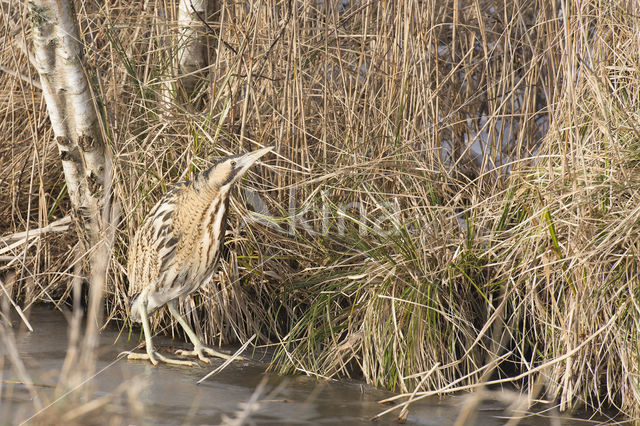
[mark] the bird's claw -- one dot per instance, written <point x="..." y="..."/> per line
<point x="156" y="357"/>
<point x="201" y="351"/>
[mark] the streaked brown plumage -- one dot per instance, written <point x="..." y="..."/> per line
<point x="176" y="248"/>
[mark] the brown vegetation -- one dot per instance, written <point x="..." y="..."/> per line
<point x="515" y="263"/>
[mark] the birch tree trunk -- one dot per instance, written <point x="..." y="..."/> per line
<point x="58" y="59"/>
<point x="192" y="53"/>
<point x="186" y="72"/>
<point x="85" y="161"/>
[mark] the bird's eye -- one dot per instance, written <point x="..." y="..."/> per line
<point x="233" y="164"/>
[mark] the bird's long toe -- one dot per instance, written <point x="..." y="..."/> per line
<point x="143" y="356"/>
<point x="154" y="357"/>
<point x="202" y="353"/>
<point x="213" y="352"/>
<point x="194" y="353"/>
<point x="175" y="361"/>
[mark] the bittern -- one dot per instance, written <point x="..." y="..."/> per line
<point x="176" y="249"/>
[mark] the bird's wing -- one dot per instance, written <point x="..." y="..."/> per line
<point x="154" y="244"/>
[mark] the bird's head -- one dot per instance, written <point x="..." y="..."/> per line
<point x="228" y="170"/>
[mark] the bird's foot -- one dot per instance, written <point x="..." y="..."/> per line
<point x="202" y="350"/>
<point x="156" y="357"/>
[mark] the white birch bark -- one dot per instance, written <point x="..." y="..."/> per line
<point x="191" y="46"/>
<point x="58" y="59"/>
<point x="44" y="44"/>
<point x="82" y="113"/>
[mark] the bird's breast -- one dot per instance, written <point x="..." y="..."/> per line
<point x="200" y="245"/>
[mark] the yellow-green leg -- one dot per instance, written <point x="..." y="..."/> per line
<point x="199" y="349"/>
<point x="152" y="355"/>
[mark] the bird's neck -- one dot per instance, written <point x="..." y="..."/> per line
<point x="215" y="218"/>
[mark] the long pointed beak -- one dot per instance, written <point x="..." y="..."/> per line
<point x="247" y="160"/>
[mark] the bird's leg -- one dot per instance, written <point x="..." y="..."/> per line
<point x="152" y="355"/>
<point x="199" y="349"/>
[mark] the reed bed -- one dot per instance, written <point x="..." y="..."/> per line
<point x="453" y="203"/>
